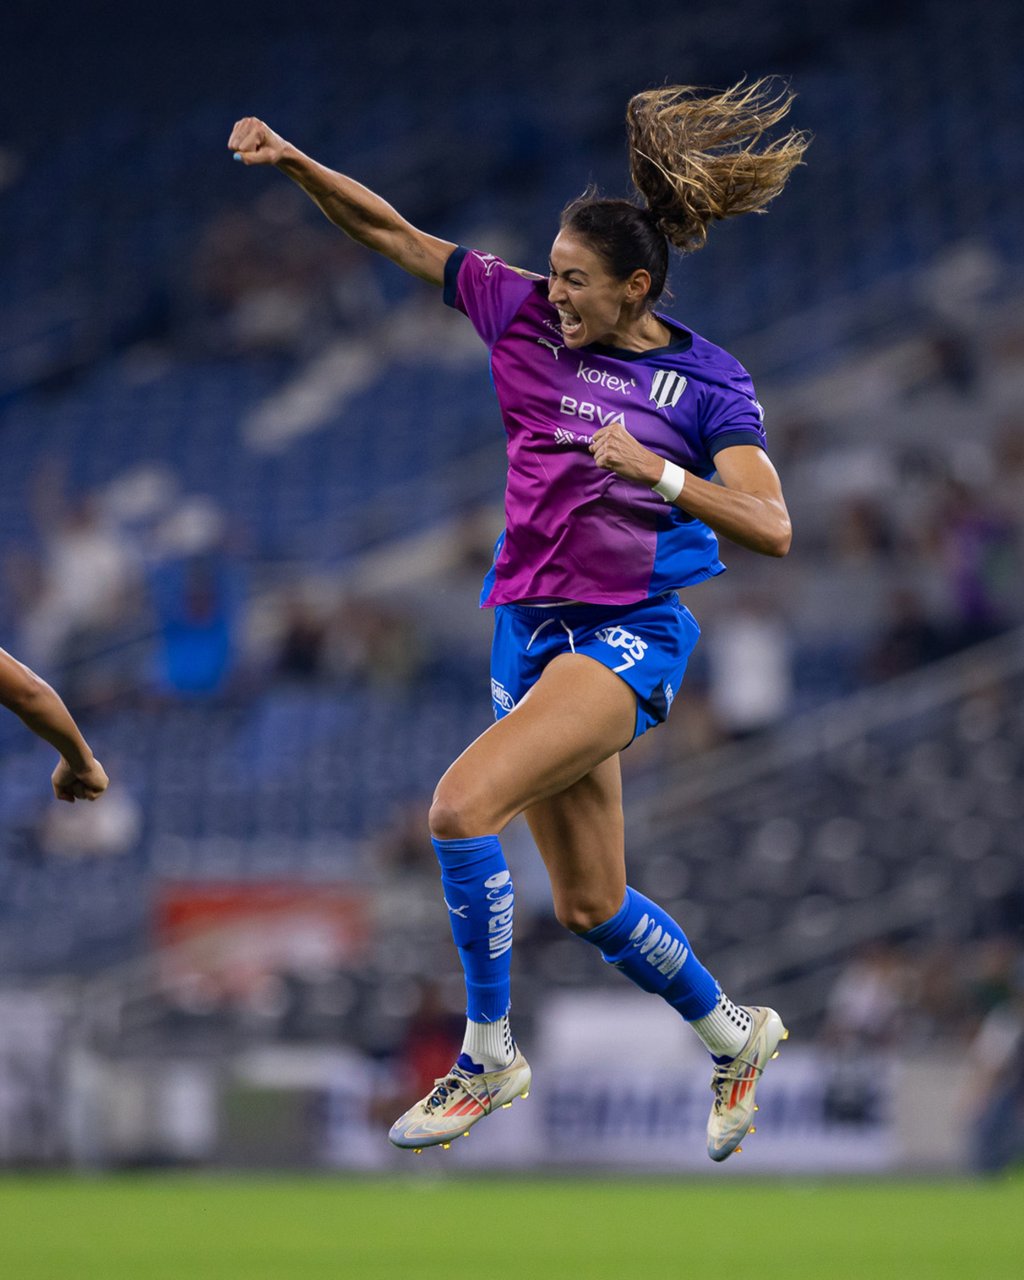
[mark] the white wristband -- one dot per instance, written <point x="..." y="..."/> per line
<point x="670" y="486"/>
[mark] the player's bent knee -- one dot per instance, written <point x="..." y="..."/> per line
<point x="451" y="820"/>
<point x="580" y="915"/>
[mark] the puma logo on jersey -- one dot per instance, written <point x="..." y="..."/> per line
<point x="553" y="347"/>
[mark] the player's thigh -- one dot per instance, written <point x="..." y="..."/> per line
<point x="580" y="835"/>
<point x="575" y="716"/>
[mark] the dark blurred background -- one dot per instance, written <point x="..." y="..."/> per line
<point x="251" y="480"/>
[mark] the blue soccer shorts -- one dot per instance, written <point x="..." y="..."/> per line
<point x="648" y="645"/>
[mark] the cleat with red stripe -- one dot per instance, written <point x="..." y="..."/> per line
<point x="735" y="1082"/>
<point x="459" y="1100"/>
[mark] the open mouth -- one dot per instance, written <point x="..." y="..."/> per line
<point x="570" y="324"/>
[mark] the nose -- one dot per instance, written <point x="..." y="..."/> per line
<point x="556" y="290"/>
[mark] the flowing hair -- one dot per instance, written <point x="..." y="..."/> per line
<point x="698" y="156"/>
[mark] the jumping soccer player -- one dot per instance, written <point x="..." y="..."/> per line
<point x="78" y="775"/>
<point x="617" y="419"/>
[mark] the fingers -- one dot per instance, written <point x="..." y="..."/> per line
<point x="603" y="447"/>
<point x="247" y="137"/>
<point x="614" y="449"/>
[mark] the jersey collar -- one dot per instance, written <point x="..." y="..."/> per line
<point x="682" y="341"/>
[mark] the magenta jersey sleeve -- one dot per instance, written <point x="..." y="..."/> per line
<point x="487" y="290"/>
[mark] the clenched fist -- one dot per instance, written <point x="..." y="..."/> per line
<point x="614" y="449"/>
<point x="84" y="784"/>
<point x="253" y="142"/>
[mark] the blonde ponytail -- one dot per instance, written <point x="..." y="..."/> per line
<point x="698" y="156"/>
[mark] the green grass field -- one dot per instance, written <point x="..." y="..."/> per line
<point x="174" y="1227"/>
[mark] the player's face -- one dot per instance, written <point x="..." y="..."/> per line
<point x="593" y="306"/>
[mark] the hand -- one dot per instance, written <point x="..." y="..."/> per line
<point x="614" y="449"/>
<point x="87" y="784"/>
<point x="253" y="142"/>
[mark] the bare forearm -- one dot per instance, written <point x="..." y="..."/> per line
<point x="365" y="216"/>
<point x="756" y="521"/>
<point x="747" y="508"/>
<point x="357" y="210"/>
<point x="43" y="711"/>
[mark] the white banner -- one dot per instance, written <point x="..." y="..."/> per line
<point x="621" y="1082"/>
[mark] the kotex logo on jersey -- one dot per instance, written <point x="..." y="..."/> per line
<point x="602" y="378"/>
<point x="634" y="649"/>
<point x="666" y="388"/>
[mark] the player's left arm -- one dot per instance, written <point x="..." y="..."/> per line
<point x="78" y="775"/>
<point x="747" y="507"/>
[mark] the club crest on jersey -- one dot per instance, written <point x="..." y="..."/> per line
<point x="666" y="388"/>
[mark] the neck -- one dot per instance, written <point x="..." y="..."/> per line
<point x="641" y="333"/>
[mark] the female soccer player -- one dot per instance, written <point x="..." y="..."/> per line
<point x="78" y="775"/>
<point x="617" y="419"/>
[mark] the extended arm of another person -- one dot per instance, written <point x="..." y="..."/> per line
<point x="747" y="507"/>
<point x="79" y="775"/>
<point x="359" y="212"/>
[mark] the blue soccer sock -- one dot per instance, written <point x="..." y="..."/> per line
<point x="649" y="947"/>
<point x="479" y="897"/>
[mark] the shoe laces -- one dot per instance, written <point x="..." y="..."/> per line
<point x="724" y="1073"/>
<point x="445" y="1088"/>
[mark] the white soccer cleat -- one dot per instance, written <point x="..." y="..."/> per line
<point x="457" y="1101"/>
<point x="734" y="1084"/>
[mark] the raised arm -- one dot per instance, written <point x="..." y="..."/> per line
<point x="354" y="208"/>
<point x="79" y="775"/>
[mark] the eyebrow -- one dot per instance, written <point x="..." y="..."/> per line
<point x="568" y="271"/>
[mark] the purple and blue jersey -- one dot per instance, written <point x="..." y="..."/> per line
<point x="572" y="530"/>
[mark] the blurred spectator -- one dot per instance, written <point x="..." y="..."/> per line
<point x="88" y="580"/>
<point x="273" y="281"/>
<point x="997" y="1087"/>
<point x="867" y="1003"/>
<point x="750" y="667"/>
<point x="951" y="363"/>
<point x="93" y="830"/>
<point x="975" y="544"/>
<point x="300" y="653"/>
<point x="197" y="601"/>
<point x="432" y="1041"/>
<point x="1008" y="468"/>
<point x="909" y="639"/>
<point x="861" y="532"/>
<point x="376" y="642"/>
<point x="404" y="846"/>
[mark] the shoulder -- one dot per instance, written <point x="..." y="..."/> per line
<point x="706" y="362"/>
<point x="488" y="290"/>
<point x="476" y="271"/>
<point x="486" y="266"/>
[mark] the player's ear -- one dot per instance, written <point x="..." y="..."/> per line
<point x="638" y="286"/>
